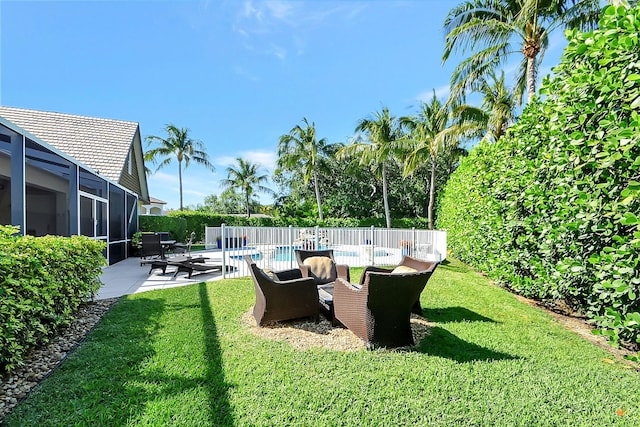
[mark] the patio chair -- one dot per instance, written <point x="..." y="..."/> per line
<point x="379" y="310"/>
<point x="407" y="265"/>
<point x="151" y="246"/>
<point x="321" y="266"/>
<point x="282" y="295"/>
<point x="185" y="247"/>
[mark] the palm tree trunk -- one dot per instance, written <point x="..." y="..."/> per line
<point x="385" y="198"/>
<point x="180" y="180"/>
<point x="246" y="203"/>
<point x="531" y="77"/>
<point x="432" y="192"/>
<point x="317" y="189"/>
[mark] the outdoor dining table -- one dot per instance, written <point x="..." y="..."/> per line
<point x="166" y="244"/>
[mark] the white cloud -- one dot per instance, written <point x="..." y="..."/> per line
<point x="289" y="21"/>
<point x="442" y="93"/>
<point x="266" y="159"/>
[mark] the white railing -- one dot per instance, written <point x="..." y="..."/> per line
<point x="273" y="247"/>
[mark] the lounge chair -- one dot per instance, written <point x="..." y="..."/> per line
<point x="188" y="264"/>
<point x="407" y="265"/>
<point x="282" y="295"/>
<point x="379" y="310"/>
<point x="321" y="265"/>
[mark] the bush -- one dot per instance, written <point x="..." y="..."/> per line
<point x="552" y="209"/>
<point x="43" y="281"/>
<point x="176" y="226"/>
<point x="198" y="221"/>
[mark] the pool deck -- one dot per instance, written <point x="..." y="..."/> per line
<point x="129" y="277"/>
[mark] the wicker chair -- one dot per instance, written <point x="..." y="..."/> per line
<point x="379" y="309"/>
<point x="407" y="265"/>
<point x="283" y="295"/>
<point x="321" y="266"/>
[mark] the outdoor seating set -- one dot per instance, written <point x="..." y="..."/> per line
<point x="154" y="253"/>
<point x="377" y="310"/>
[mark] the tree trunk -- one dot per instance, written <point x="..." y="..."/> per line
<point x="317" y="188"/>
<point x="246" y="201"/>
<point x="180" y="180"/>
<point x="432" y="192"/>
<point x="385" y="198"/>
<point x="531" y="77"/>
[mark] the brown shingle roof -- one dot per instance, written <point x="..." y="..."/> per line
<point x="102" y="144"/>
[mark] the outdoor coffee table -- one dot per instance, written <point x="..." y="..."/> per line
<point x="325" y="294"/>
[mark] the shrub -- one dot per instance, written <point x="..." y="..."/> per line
<point x="176" y="226"/>
<point x="552" y="209"/>
<point x="43" y="281"/>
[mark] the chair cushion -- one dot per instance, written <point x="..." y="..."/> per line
<point x="404" y="269"/>
<point x="270" y="274"/>
<point x="321" y="266"/>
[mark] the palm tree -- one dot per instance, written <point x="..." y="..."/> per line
<point x="246" y="178"/>
<point x="495" y="29"/>
<point x="300" y="150"/>
<point x="499" y="104"/>
<point x="177" y="144"/>
<point x="376" y="149"/>
<point x="438" y="127"/>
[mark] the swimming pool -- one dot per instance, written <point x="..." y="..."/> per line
<point x="286" y="253"/>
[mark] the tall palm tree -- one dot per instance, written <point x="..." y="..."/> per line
<point x="300" y="150"/>
<point x="246" y="177"/>
<point x="376" y="146"/>
<point x="438" y="127"/>
<point x="494" y="29"/>
<point x="179" y="145"/>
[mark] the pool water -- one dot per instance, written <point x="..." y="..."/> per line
<point x="284" y="253"/>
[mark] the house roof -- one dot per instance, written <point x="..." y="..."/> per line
<point x="101" y="144"/>
<point x="156" y="201"/>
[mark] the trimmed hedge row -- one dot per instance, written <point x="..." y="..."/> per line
<point x="176" y="226"/>
<point x="552" y="210"/>
<point x="198" y="221"/>
<point x="43" y="281"/>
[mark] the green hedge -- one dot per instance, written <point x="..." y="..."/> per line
<point x="175" y="226"/>
<point x="198" y="221"/>
<point x="552" y="209"/>
<point x="43" y="281"/>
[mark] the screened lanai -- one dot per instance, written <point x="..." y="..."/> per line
<point x="44" y="190"/>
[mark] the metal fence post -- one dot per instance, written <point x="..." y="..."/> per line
<point x="373" y="246"/>
<point x="223" y="247"/>
<point x="414" y="245"/>
<point x="290" y="244"/>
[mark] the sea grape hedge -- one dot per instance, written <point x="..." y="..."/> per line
<point x="43" y="281"/>
<point x="552" y="210"/>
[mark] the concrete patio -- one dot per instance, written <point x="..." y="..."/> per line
<point x="129" y="277"/>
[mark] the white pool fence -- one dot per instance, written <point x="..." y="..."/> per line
<point x="273" y="247"/>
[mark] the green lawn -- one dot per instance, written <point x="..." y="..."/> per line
<point x="182" y="357"/>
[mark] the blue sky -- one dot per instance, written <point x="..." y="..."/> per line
<point x="238" y="74"/>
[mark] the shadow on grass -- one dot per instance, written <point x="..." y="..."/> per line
<point x="453" y="314"/>
<point x="220" y="412"/>
<point x="109" y="380"/>
<point x="443" y="343"/>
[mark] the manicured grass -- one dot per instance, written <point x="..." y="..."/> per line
<point x="182" y="357"/>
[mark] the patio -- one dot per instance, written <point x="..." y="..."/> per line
<point x="129" y="277"/>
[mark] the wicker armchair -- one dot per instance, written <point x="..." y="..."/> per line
<point x="379" y="310"/>
<point x="282" y="295"/>
<point x="321" y="266"/>
<point x="407" y="265"/>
